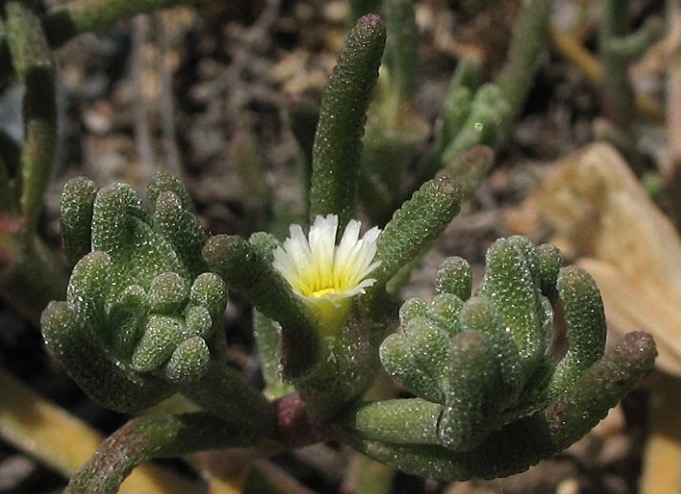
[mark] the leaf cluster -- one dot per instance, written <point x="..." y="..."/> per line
<point x="141" y="310"/>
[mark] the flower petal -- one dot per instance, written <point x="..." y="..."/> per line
<point x="318" y="269"/>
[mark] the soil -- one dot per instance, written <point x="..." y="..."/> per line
<point x="198" y="90"/>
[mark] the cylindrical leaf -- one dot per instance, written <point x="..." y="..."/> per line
<point x="414" y="226"/>
<point x="454" y="276"/>
<point x="407" y="421"/>
<point x="511" y="283"/>
<point x="245" y="270"/>
<point x="68" y="338"/>
<point x="585" y="323"/>
<point x="189" y="362"/>
<point x="338" y="142"/>
<point x="472" y="403"/>
<point x="75" y="216"/>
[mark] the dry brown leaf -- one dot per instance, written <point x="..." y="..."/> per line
<point x="601" y="215"/>
<point x="661" y="470"/>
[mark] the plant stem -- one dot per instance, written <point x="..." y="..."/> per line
<point x="64" y="443"/>
<point x="158" y="436"/>
<point x="618" y="95"/>
<point x="148" y="437"/>
<point x="225" y="394"/>
<point x="32" y="60"/>
<point x="529" y="35"/>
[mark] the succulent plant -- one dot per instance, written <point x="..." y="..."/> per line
<point x="499" y="377"/>
<point x="497" y="384"/>
<point x="142" y="318"/>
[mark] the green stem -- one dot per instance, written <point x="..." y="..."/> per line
<point x="32" y="60"/>
<point x="149" y="437"/>
<point x="224" y="393"/>
<point x="618" y="97"/>
<point x="160" y="436"/>
<point x="529" y="36"/>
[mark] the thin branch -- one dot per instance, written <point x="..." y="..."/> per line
<point x="146" y="438"/>
<point x="159" y="436"/>
<point x="569" y="46"/>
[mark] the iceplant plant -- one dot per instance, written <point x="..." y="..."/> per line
<point x="488" y="398"/>
<point x="324" y="275"/>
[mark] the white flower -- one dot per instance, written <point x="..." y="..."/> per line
<point x="325" y="275"/>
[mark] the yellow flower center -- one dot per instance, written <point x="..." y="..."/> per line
<point x="322" y="292"/>
<point x="325" y="275"/>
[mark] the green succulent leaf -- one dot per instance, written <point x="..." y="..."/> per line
<point x="585" y="323"/>
<point x="338" y="141"/>
<point x="491" y="400"/>
<point x="71" y="339"/>
<point x="140" y="298"/>
<point x="454" y="276"/>
<point x="189" y="361"/>
<point x="414" y="226"/>
<point x="511" y="284"/>
<point x="514" y="447"/>
<point x="472" y="406"/>
<point x="77" y="201"/>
